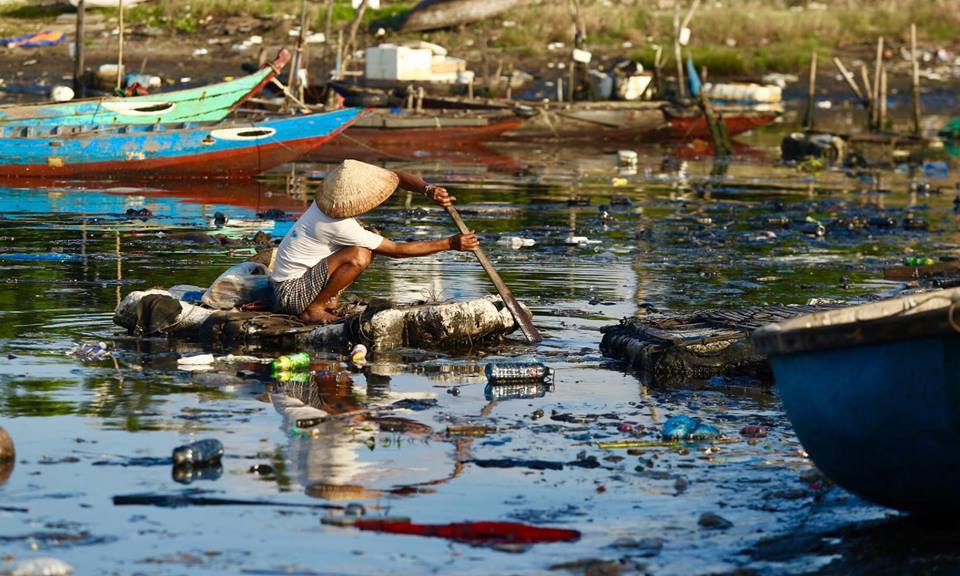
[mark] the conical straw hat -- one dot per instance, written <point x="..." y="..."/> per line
<point x="354" y="188"/>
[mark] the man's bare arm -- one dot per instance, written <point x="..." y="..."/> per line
<point x="460" y="242"/>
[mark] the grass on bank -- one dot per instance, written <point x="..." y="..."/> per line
<point x="730" y="37"/>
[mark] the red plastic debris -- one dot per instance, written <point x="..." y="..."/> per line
<point x="753" y="431"/>
<point x="477" y="533"/>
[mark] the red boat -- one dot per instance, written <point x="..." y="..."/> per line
<point x="440" y="134"/>
<point x="688" y="123"/>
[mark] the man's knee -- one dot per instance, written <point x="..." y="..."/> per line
<point x="360" y="257"/>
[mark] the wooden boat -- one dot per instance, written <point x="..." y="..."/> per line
<point x="627" y="121"/>
<point x="873" y="392"/>
<point x="383" y="134"/>
<point x="688" y="122"/>
<point x="230" y="150"/>
<point x="434" y="14"/>
<point x="203" y="104"/>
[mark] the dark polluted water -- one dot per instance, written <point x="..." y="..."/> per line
<point x="665" y="237"/>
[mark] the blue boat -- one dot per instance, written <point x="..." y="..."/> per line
<point x="228" y="150"/>
<point x="873" y="393"/>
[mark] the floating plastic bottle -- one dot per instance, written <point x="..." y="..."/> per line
<point x="200" y="453"/>
<point x="514" y="372"/>
<point x="294" y="376"/>
<point x="188" y="474"/>
<point x="292" y="362"/>
<point x="918" y="261"/>
<point x="501" y="392"/>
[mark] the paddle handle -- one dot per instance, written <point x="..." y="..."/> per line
<point x="519" y="314"/>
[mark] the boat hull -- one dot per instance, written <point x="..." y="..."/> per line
<point x="213" y="151"/>
<point x="690" y="128"/>
<point x="203" y="104"/>
<point x="881" y="420"/>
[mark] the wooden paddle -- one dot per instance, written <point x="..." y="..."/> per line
<point x="519" y="314"/>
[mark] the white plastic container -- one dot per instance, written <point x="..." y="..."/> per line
<point x="627" y="157"/>
<point x="392" y="62"/>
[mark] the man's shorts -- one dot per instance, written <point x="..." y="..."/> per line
<point x="294" y="295"/>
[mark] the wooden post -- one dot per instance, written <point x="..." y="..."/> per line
<point x="718" y="130"/>
<point x="328" y="36"/>
<point x="560" y="88"/>
<point x="572" y="81"/>
<point x="876" y="84"/>
<point x="293" y="80"/>
<point x="352" y="38"/>
<point x="808" y="117"/>
<point x="851" y="81"/>
<point x="78" y="64"/>
<point x="339" y="66"/>
<point x="419" y="98"/>
<point x="120" y="48"/>
<point x="865" y="76"/>
<point x="658" y="71"/>
<point x="882" y="120"/>
<point x="470" y="90"/>
<point x="917" y="129"/>
<point x="509" y="83"/>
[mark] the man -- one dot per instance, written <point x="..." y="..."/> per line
<point x="327" y="249"/>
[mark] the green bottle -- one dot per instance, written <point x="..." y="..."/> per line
<point x="292" y="363"/>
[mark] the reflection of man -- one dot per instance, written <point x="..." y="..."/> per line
<point x="327" y="249"/>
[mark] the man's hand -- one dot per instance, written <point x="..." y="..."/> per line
<point x="464" y="242"/>
<point x="439" y="195"/>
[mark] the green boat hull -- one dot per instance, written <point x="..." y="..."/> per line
<point x="203" y="104"/>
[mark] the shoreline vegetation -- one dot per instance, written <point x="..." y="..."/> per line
<point x="740" y="39"/>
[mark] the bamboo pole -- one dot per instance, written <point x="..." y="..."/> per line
<point x="120" y="48"/>
<point x="876" y="84"/>
<point x="78" y="64"/>
<point x="917" y="129"/>
<point x="851" y="81"/>
<point x="808" y="117"/>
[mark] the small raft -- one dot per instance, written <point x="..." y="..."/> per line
<point x="673" y="349"/>
<point x="438" y="325"/>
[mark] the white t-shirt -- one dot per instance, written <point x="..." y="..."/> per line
<point x="314" y="237"/>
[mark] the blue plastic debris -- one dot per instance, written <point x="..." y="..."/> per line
<point x="938" y="169"/>
<point x="40" y="256"/>
<point x="687" y="428"/>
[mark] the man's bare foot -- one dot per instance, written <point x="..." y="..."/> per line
<point x="318" y="315"/>
<point x="331" y="304"/>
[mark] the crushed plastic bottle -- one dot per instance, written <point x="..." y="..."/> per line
<point x="91" y="351"/>
<point x="513" y="372"/>
<point x="42" y="567"/>
<point x="200" y="453"/>
<point x="292" y="362"/>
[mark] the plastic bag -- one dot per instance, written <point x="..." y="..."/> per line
<point x="240" y="284"/>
